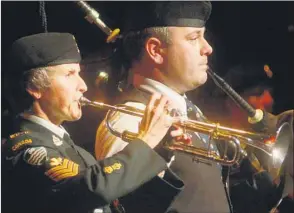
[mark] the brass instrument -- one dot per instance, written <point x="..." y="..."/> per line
<point x="275" y="146"/>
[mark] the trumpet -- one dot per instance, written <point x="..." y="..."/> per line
<point x="275" y="146"/>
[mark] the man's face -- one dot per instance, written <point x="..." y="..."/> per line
<point x="186" y="58"/>
<point x="61" y="101"/>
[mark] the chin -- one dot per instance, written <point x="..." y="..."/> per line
<point x="78" y="117"/>
<point x="75" y="117"/>
<point x="203" y="79"/>
<point x="200" y="81"/>
<point x="194" y="85"/>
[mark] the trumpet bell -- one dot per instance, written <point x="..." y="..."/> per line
<point x="280" y="149"/>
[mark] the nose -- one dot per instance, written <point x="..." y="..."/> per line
<point x="82" y="85"/>
<point x="206" y="49"/>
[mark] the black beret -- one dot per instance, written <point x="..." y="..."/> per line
<point x="142" y="15"/>
<point x="44" y="49"/>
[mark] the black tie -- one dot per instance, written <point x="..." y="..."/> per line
<point x="193" y="112"/>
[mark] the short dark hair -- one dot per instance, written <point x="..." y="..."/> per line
<point x="134" y="41"/>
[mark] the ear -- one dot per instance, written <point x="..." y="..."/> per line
<point x="155" y="50"/>
<point x="35" y="93"/>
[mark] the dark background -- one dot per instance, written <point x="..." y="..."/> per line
<point x="238" y="31"/>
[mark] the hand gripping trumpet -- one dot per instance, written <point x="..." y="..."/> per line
<point x="275" y="146"/>
<point x="94" y="17"/>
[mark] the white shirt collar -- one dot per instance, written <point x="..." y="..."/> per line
<point x="58" y="130"/>
<point x="177" y="100"/>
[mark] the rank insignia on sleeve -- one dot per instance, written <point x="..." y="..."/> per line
<point x="35" y="156"/>
<point x="55" y="161"/>
<point x="112" y="168"/>
<point x="61" y="169"/>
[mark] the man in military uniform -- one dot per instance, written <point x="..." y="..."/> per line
<point x="165" y="51"/>
<point x="43" y="170"/>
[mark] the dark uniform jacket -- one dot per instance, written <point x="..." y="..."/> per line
<point x="42" y="172"/>
<point x="204" y="191"/>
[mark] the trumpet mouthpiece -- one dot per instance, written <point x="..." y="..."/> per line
<point x="84" y="101"/>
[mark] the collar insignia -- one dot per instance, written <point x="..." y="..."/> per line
<point x="57" y="141"/>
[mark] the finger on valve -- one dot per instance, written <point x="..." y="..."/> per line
<point x="180" y="136"/>
<point x="148" y="111"/>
